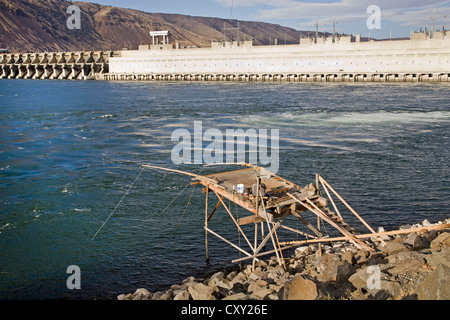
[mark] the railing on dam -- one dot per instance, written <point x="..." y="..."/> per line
<point x="315" y="77"/>
<point x="54" y="65"/>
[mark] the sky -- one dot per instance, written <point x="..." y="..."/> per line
<point x="379" y="19"/>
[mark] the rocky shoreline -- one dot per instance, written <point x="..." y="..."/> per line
<point x="413" y="266"/>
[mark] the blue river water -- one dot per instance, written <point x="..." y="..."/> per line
<point x="73" y="191"/>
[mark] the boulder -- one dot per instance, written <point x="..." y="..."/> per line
<point x="361" y="257"/>
<point x="261" y="293"/>
<point x="163" y="295"/>
<point x="436" y="286"/>
<point x="417" y="242"/>
<point x="300" y="288"/>
<point x="237" y="296"/>
<point x="442" y="240"/>
<point x="343" y="272"/>
<point x="387" y="289"/>
<point x="407" y="265"/>
<point x="182" y="295"/>
<point x="349" y="256"/>
<point x="394" y="247"/>
<point x="238" y="283"/>
<point x="439" y="257"/>
<point x="404" y="255"/>
<point x="258" y="274"/>
<point x="359" y="278"/>
<point x="199" y="291"/>
<point x="128" y="296"/>
<point x="142" y="294"/>
<point x="302" y="251"/>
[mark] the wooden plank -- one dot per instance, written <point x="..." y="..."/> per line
<point x="246" y="205"/>
<point x="350" y="208"/>
<point x="231" y="244"/>
<point x="250" y="219"/>
<point x="318" y="212"/>
<point x="307" y="224"/>
<point x="369" y="235"/>
<point x="206" y="227"/>
<point x="331" y="199"/>
<point x="235" y="222"/>
<point x="215" y="208"/>
<point x="196" y="176"/>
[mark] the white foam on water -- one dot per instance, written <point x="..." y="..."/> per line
<point x="333" y="119"/>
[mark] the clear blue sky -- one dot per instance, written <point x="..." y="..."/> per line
<point x="397" y="17"/>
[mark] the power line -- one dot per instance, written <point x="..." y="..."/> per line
<point x="231" y="9"/>
<point x="290" y="12"/>
<point x="263" y="9"/>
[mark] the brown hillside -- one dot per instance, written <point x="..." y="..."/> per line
<point x="32" y="25"/>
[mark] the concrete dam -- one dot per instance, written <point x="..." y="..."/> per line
<point x="421" y="58"/>
<point x="55" y="65"/>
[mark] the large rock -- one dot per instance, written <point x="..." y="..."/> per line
<point x="182" y="295"/>
<point x="387" y="289"/>
<point x="199" y="291"/>
<point x="436" y="286"/>
<point x="407" y="265"/>
<point x="299" y="289"/>
<point x="442" y="240"/>
<point x="349" y="256"/>
<point x="396" y="247"/>
<point x="261" y="293"/>
<point x="142" y="294"/>
<point x="238" y="283"/>
<point x="439" y="257"/>
<point x="343" y="272"/>
<point x="359" y="278"/>
<point x="332" y="269"/>
<point x="417" y="241"/>
<point x="236" y="296"/>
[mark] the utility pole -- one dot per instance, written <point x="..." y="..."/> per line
<point x="237" y="29"/>
<point x="434" y="23"/>
<point x="334" y="30"/>
<point x="317" y="31"/>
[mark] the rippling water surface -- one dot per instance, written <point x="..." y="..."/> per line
<point x="70" y="151"/>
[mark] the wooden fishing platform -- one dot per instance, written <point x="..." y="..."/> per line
<point x="269" y="199"/>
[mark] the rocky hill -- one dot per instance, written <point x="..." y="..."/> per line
<point x="41" y="25"/>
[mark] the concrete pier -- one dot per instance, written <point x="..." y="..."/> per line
<point x="54" y="65"/>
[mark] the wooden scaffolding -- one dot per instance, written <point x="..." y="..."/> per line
<point x="270" y="199"/>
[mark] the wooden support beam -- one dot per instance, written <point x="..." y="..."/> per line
<point x="331" y="199"/>
<point x="318" y="212"/>
<point x="369" y="235"/>
<point x="350" y="208"/>
<point x="206" y="227"/>
<point x="231" y="244"/>
<point x="235" y="222"/>
<point x="306" y="223"/>
<point x="250" y="219"/>
<point x="215" y="209"/>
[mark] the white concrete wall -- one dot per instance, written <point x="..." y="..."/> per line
<point x="405" y="56"/>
